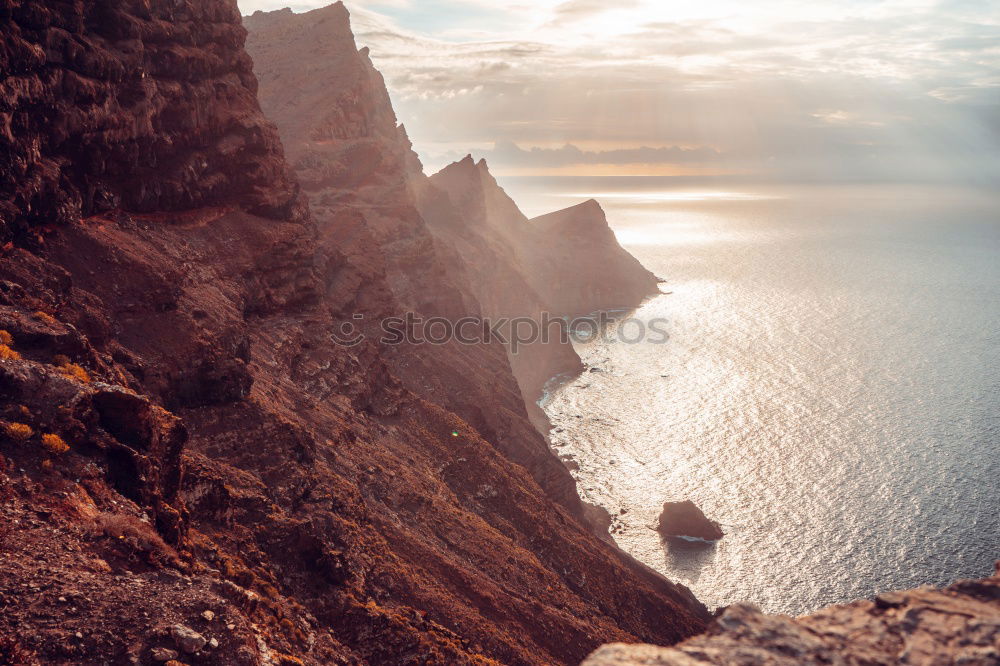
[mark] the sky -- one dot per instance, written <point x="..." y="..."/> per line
<point x="773" y="89"/>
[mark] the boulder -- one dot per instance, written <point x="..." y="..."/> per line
<point x="187" y="639"/>
<point x="684" y="519"/>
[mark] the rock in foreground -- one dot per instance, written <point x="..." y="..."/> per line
<point x="957" y="625"/>
<point x="684" y="519"/>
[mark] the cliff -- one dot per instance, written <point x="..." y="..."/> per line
<point x="131" y="104"/>
<point x="570" y="259"/>
<point x="469" y="212"/>
<point x="579" y="267"/>
<point x="566" y="264"/>
<point x="450" y="246"/>
<point x="924" y="627"/>
<point x="356" y="165"/>
<point x="182" y="446"/>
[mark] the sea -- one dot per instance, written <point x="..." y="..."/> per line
<point x="827" y="386"/>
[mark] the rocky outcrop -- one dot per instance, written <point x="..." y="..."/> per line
<point x="358" y="169"/>
<point x="924" y="627"/>
<point x="135" y="105"/>
<point x="50" y="399"/>
<point x="685" y="519"/>
<point x="571" y="259"/>
<point x="338" y="125"/>
<point x="452" y="245"/>
<point x="183" y="444"/>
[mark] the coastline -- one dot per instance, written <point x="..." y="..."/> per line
<point x="598" y="518"/>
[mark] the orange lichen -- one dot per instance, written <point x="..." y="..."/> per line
<point x="8" y="354"/>
<point x="270" y="591"/>
<point x="54" y="444"/>
<point x="19" y="432"/>
<point x="291" y="632"/>
<point x="228" y="569"/>
<point x="76" y="372"/>
<point x="287" y="660"/>
<point x="47" y="465"/>
<point x="46" y="317"/>
<point x="71" y="369"/>
<point x="6" y="338"/>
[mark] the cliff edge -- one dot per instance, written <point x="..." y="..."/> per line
<point x="356" y="166"/>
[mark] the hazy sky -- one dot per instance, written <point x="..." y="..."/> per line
<point x="819" y="89"/>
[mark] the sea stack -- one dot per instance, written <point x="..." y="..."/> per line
<point x="686" y="520"/>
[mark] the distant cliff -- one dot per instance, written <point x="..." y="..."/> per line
<point x="578" y="265"/>
<point x="356" y="166"/>
<point x="183" y="447"/>
<point x="567" y="264"/>
<point x="924" y="627"/>
<point x="451" y="245"/>
<point x="570" y="258"/>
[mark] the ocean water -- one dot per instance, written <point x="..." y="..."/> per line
<point x="830" y="391"/>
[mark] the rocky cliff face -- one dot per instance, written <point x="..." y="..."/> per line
<point x="925" y="627"/>
<point x="359" y="171"/>
<point x="182" y="447"/>
<point x="570" y="259"/>
<point x="578" y="265"/>
<point x="565" y="264"/>
<point x="129" y="104"/>
<point x="455" y="243"/>
<point x="470" y="213"/>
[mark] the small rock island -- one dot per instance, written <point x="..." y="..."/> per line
<point x="686" y="520"/>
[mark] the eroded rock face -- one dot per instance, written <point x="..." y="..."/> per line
<point x="565" y="264"/>
<point x="135" y="105"/>
<point x="471" y="213"/>
<point x="579" y="265"/>
<point x="924" y="627"/>
<point x="452" y="245"/>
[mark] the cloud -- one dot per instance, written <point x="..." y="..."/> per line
<point x="507" y="153"/>
<point x="845" y="86"/>
<point x="574" y="10"/>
